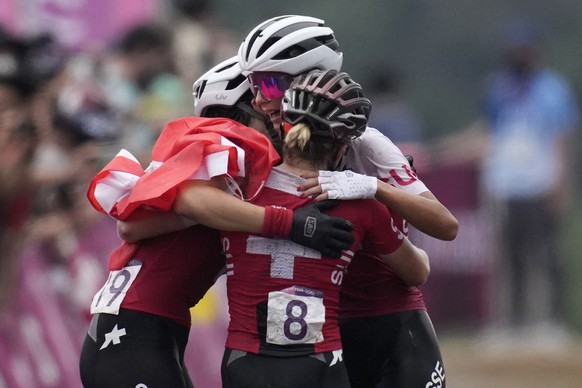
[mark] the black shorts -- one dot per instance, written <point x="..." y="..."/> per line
<point x="134" y="349"/>
<point x="247" y="370"/>
<point x="395" y="350"/>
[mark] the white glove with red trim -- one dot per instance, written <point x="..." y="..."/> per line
<point x="347" y="184"/>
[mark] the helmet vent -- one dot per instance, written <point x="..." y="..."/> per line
<point x="234" y="83"/>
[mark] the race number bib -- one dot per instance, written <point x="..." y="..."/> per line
<point x="295" y="316"/>
<point x="109" y="298"/>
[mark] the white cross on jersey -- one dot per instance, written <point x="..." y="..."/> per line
<point x="282" y="252"/>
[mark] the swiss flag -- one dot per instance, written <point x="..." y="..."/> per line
<point x="188" y="148"/>
<point x="114" y="182"/>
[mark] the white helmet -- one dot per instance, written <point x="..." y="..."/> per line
<point x="223" y="85"/>
<point x="290" y="44"/>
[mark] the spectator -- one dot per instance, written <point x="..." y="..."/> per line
<point x="200" y="37"/>
<point x="524" y="142"/>
<point x="18" y="139"/>
<point x="141" y="80"/>
<point x="531" y="115"/>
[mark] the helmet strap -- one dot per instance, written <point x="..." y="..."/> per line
<point x="248" y="109"/>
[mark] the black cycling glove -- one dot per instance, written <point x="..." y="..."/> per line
<point x="316" y="230"/>
<point x="411" y="162"/>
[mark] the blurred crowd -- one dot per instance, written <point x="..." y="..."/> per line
<point x="63" y="115"/>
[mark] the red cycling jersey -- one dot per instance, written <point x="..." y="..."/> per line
<point x="371" y="288"/>
<point x="283" y="297"/>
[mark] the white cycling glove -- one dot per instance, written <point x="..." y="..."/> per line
<point x="347" y="184"/>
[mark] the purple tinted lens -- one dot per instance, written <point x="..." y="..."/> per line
<point x="271" y="86"/>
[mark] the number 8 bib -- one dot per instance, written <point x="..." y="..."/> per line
<point x="295" y="317"/>
<point x="109" y="298"/>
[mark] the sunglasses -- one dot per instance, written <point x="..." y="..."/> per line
<point x="271" y="85"/>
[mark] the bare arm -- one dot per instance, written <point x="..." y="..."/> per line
<point x="422" y="211"/>
<point x="145" y="224"/>
<point x="410" y="263"/>
<point x="206" y="202"/>
<point x="198" y="201"/>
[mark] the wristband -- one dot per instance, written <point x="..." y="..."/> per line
<point x="278" y="221"/>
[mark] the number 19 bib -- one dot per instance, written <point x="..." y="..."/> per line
<point x="109" y="298"/>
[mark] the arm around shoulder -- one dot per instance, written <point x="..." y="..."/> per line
<point x="424" y="211"/>
<point x="145" y="224"/>
<point x="206" y="203"/>
<point x="410" y="263"/>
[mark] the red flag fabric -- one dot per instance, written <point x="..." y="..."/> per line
<point x="114" y="181"/>
<point x="121" y="255"/>
<point x="187" y="148"/>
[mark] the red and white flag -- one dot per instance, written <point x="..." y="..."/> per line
<point x="187" y="148"/>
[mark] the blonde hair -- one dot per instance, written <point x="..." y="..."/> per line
<point x="299" y="142"/>
<point x="298" y="136"/>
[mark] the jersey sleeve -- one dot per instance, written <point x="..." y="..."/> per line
<point x="374" y="154"/>
<point x="381" y="235"/>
